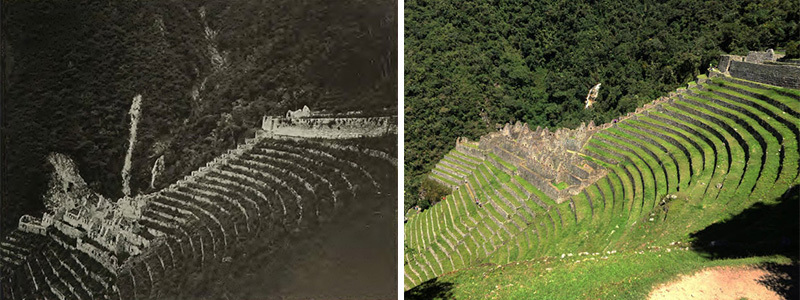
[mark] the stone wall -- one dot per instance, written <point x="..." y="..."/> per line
<point x="32" y="225"/>
<point x="105" y="258"/>
<point x="779" y="75"/>
<point x="466" y="146"/>
<point x="725" y="62"/>
<point x="758" y="57"/>
<point x="330" y="128"/>
<point x="760" y="67"/>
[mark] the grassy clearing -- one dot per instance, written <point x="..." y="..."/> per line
<point x="561" y="185"/>
<point x="627" y="275"/>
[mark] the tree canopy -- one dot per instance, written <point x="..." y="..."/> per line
<point x="473" y="65"/>
<point x="207" y="72"/>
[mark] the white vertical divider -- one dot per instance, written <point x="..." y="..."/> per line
<point x="400" y="146"/>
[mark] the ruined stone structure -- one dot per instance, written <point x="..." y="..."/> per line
<point x="94" y="225"/>
<point x="88" y="247"/>
<point x="761" y="67"/>
<point x="305" y="112"/>
<point x="729" y="141"/>
<point x="543" y="157"/>
<point x="546" y="158"/>
<point x="330" y="128"/>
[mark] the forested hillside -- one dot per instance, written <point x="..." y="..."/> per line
<point x="471" y="65"/>
<point x="207" y="72"/>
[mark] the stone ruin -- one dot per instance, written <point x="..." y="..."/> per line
<point x="305" y="123"/>
<point x="305" y="112"/>
<point x="99" y="227"/>
<point x="106" y="230"/>
<point x="760" y="67"/>
<point x="546" y="158"/>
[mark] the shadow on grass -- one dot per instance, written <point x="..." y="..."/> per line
<point x="761" y="230"/>
<point x="431" y="289"/>
<point x="782" y="279"/>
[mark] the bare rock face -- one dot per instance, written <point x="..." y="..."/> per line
<point x="66" y="184"/>
<point x="158" y="167"/>
<point x="592" y="96"/>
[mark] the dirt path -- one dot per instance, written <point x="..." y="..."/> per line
<point x="718" y="283"/>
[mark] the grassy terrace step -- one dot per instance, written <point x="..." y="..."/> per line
<point x="444" y="180"/>
<point x="490" y="186"/>
<point x="753" y="157"/>
<point x="657" y="168"/>
<point x="509" y="167"/>
<point x="641" y="168"/>
<point x="496" y="236"/>
<point x="466" y="157"/>
<point x="449" y="172"/>
<point x="443" y="173"/>
<point x="753" y="130"/>
<point x="464" y="161"/>
<point x="629" y="169"/>
<point x="620" y="184"/>
<point x="548" y="205"/>
<point x="665" y="149"/>
<point x="453" y="167"/>
<point x="510" y="194"/>
<point x="719" y="149"/>
<point x="783" y="98"/>
<point x="768" y="135"/>
<point x="753" y="107"/>
<point x="737" y="151"/>
<point x="695" y="157"/>
<point x="445" y="246"/>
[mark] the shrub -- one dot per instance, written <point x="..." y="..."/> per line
<point x="432" y="192"/>
<point x="793" y="49"/>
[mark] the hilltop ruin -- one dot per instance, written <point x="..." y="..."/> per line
<point x="722" y="144"/>
<point x="275" y="177"/>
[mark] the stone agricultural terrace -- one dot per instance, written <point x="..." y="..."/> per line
<point x="276" y="184"/>
<point x="722" y="144"/>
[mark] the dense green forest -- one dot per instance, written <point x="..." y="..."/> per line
<point x="473" y="65"/>
<point x="207" y="71"/>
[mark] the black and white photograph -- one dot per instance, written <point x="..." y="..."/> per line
<point x="199" y="149"/>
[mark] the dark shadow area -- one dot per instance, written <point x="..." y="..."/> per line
<point x="431" y="289"/>
<point x="761" y="230"/>
<point x="783" y="279"/>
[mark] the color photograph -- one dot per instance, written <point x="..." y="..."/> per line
<point x="601" y="149"/>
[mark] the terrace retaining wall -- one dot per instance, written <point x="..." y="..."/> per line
<point x="779" y="75"/>
<point x="330" y="128"/>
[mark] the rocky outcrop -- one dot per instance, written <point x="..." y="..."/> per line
<point x="158" y="167"/>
